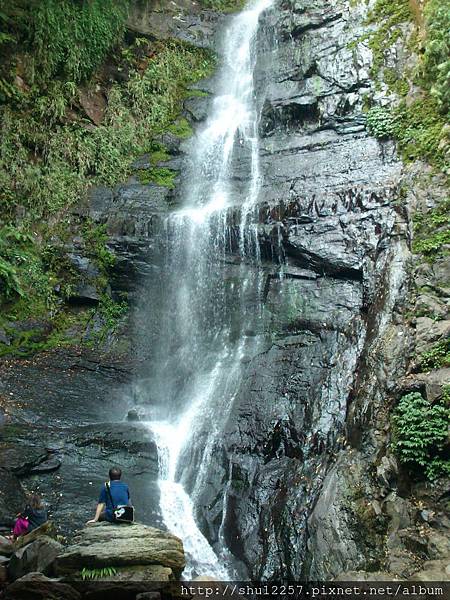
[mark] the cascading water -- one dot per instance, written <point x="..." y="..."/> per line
<point x="208" y="324"/>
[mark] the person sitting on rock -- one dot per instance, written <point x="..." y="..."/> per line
<point x="34" y="515"/>
<point x="119" y="493"/>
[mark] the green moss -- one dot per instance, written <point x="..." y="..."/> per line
<point x="159" y="176"/>
<point x="62" y="333"/>
<point x="181" y="128"/>
<point x="388" y="15"/>
<point x="159" y="156"/>
<point x="395" y="82"/>
<point x="196" y="94"/>
<point x="223" y="5"/>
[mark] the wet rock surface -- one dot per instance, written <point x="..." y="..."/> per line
<point x="182" y="19"/>
<point x="329" y="206"/>
<point x="38" y="586"/>
<point x="63" y="440"/>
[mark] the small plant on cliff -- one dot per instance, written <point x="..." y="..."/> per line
<point x="380" y="122"/>
<point x="388" y="15"/>
<point x="419" y="125"/>
<point x="436" y="357"/>
<point x="420" y="433"/>
<point x="98" y="573"/>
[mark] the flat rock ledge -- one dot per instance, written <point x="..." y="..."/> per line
<point x="107" y="545"/>
<point x="144" y="560"/>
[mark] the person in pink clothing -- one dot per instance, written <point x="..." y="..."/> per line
<point x="33" y="516"/>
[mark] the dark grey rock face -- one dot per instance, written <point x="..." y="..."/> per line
<point x="63" y="440"/>
<point x="182" y="19"/>
<point x="35" y="557"/>
<point x="330" y="214"/>
<point x="333" y="237"/>
<point x="40" y="587"/>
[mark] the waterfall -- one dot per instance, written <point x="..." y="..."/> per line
<point x="209" y="290"/>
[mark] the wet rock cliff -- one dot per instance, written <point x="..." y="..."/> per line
<point x="310" y="491"/>
<point x="300" y="483"/>
<point x="330" y="215"/>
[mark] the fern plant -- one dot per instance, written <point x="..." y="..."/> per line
<point x="98" y="573"/>
<point x="420" y="432"/>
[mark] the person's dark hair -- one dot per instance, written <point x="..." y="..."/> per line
<point x="35" y="502"/>
<point x="115" y="473"/>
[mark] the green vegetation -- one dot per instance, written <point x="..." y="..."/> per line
<point x="181" y="129"/>
<point x="388" y="15"/>
<point x="45" y="336"/>
<point x="98" y="573"/>
<point x="380" y="122"/>
<point x="433" y="244"/>
<point x="159" y="176"/>
<point x="436" y="61"/>
<point x="61" y="38"/>
<point x="95" y="238"/>
<point x="223" y="5"/>
<point x="420" y="125"/>
<point x="432" y="231"/>
<point x="56" y="52"/>
<point x="420" y="433"/>
<point x="70" y="156"/>
<point x="436" y="357"/>
<point x="421" y="132"/>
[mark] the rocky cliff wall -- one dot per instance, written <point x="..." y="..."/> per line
<point x="330" y="212"/>
<point x="310" y="487"/>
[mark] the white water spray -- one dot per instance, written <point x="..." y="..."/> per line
<point x="202" y="344"/>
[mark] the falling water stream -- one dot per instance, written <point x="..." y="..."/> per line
<point x="211" y="301"/>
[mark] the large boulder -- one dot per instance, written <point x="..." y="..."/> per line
<point x="46" y="529"/>
<point x="36" y="586"/>
<point x="107" y="545"/>
<point x="6" y="546"/>
<point x="433" y="570"/>
<point x="35" y="557"/>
